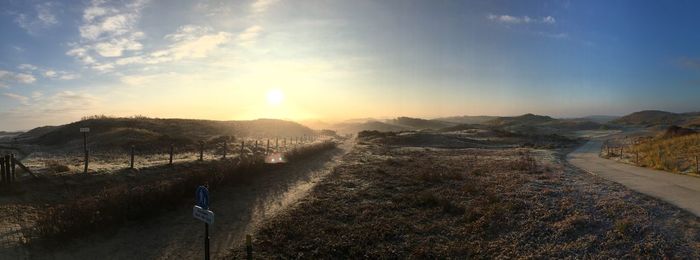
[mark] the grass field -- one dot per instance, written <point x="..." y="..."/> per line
<point x="418" y="202"/>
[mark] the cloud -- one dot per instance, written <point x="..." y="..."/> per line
<point x="62" y="75"/>
<point x="555" y="35"/>
<point x="249" y="35"/>
<point x="549" y="20"/>
<point x="27" y="67"/>
<point x="261" y="6"/>
<point x="509" y="19"/>
<point x="19" y="98"/>
<point x="7" y="77"/>
<point x="116" y="47"/>
<point x="66" y="101"/>
<point x="188" y="42"/>
<point x="42" y="18"/>
<point x="689" y="63"/>
<point x="108" y="31"/>
<point x="48" y="72"/>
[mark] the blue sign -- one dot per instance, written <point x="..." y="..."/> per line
<point x="202" y="196"/>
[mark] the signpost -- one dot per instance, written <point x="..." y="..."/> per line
<point x="85" y="131"/>
<point x="201" y="211"/>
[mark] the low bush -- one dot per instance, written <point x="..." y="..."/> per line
<point x="55" y="166"/>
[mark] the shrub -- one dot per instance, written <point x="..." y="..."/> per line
<point x="56" y="167"/>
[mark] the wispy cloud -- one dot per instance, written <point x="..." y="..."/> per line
<point x="48" y="73"/>
<point x="42" y="18"/>
<point x="261" y="6"/>
<point x="19" y="98"/>
<point x="249" y="35"/>
<point x="188" y="42"/>
<point x="554" y="35"/>
<point x="689" y="63"/>
<point x="8" y="77"/>
<point x="108" y="31"/>
<point x="25" y="66"/>
<point x="510" y="19"/>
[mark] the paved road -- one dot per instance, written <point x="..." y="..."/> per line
<point x="680" y="190"/>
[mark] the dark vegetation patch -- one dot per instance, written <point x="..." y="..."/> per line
<point x="472" y="203"/>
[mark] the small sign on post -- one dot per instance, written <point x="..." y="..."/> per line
<point x="84" y="129"/>
<point x="201" y="211"/>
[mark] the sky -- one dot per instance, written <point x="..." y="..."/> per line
<point x="335" y="60"/>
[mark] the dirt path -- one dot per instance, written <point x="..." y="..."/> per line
<point x="239" y="209"/>
<point x="680" y="190"/>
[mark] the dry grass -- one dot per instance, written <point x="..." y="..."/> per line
<point x="121" y="203"/>
<point x="419" y="203"/>
<point x="675" y="154"/>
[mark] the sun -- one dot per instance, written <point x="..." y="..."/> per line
<point x="275" y="97"/>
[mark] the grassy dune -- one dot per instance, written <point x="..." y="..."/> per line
<point x="675" y="154"/>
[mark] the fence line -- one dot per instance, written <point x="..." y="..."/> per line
<point x="625" y="150"/>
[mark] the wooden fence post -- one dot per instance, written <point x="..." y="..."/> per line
<point x="277" y="144"/>
<point x="242" y="148"/>
<point x="8" y="173"/>
<point x="131" y="165"/>
<point x="12" y="167"/>
<point x="170" y="161"/>
<point x="201" y="150"/>
<point x="87" y="160"/>
<point x="225" y="147"/>
<point x="267" y="149"/>
<point x="255" y="148"/>
<point x="2" y="170"/>
<point x="248" y="247"/>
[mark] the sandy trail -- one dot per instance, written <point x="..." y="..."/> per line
<point x="680" y="190"/>
<point x="239" y="209"/>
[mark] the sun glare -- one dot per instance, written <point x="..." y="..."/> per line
<point x="275" y="97"/>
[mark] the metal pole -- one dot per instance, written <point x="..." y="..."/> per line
<point x="171" y="155"/>
<point x="206" y="241"/>
<point x="87" y="157"/>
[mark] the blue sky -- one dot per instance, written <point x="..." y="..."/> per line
<point x="333" y="60"/>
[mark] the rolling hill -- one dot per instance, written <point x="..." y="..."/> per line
<point x="123" y="132"/>
<point x="526" y="119"/>
<point x="419" y="123"/>
<point x="649" y="118"/>
<point x="354" y="127"/>
<point x="466" y="119"/>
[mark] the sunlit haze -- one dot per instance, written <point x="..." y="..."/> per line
<point x="337" y="60"/>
